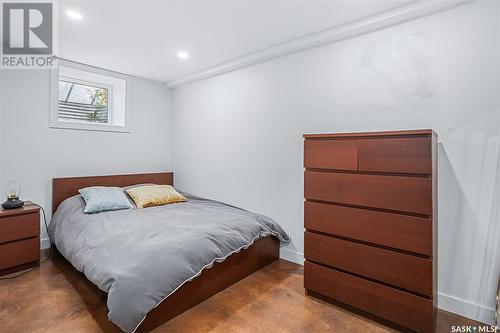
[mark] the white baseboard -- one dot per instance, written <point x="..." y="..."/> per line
<point x="468" y="309"/>
<point x="464" y="308"/>
<point x="291" y="255"/>
<point x="44" y="243"/>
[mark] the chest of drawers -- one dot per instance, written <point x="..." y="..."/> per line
<point x="370" y="220"/>
<point x="19" y="238"/>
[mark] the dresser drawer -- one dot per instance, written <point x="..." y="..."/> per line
<point x="397" y="306"/>
<point x="405" y="194"/>
<point x="409" y="233"/>
<point x="398" y="155"/>
<point x="331" y="154"/>
<point x="394" y="268"/>
<point x="19" y="227"/>
<point x="18" y="253"/>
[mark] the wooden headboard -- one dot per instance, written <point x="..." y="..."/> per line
<point x="63" y="188"/>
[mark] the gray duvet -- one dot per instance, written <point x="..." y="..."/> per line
<point x="141" y="256"/>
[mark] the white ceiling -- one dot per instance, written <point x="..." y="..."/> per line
<point x="142" y="38"/>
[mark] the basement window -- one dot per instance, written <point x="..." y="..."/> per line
<point x="88" y="98"/>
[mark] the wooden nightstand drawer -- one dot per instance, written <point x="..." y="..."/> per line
<point x="19" y="227"/>
<point x="18" y="253"/>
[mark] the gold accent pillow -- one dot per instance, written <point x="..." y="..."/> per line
<point x="154" y="195"/>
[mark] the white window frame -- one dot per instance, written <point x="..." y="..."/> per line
<point x="55" y="122"/>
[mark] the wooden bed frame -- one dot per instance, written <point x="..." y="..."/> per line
<point x="210" y="282"/>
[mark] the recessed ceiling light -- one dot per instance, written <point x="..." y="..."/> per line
<point x="74" y="15"/>
<point x="182" y="55"/>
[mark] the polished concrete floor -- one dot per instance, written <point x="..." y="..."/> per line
<point x="56" y="298"/>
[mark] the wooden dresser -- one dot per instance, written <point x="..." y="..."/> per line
<point x="370" y="219"/>
<point x="19" y="238"/>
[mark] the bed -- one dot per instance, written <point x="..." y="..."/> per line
<point x="157" y="262"/>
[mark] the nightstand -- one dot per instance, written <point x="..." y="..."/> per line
<point x="19" y="238"/>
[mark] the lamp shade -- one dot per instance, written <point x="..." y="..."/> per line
<point x="13" y="189"/>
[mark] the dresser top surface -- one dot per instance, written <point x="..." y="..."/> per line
<point x="370" y="134"/>
<point x="28" y="207"/>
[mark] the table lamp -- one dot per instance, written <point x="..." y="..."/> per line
<point x="13" y="193"/>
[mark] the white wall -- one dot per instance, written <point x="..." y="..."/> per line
<point x="238" y="137"/>
<point x="33" y="153"/>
